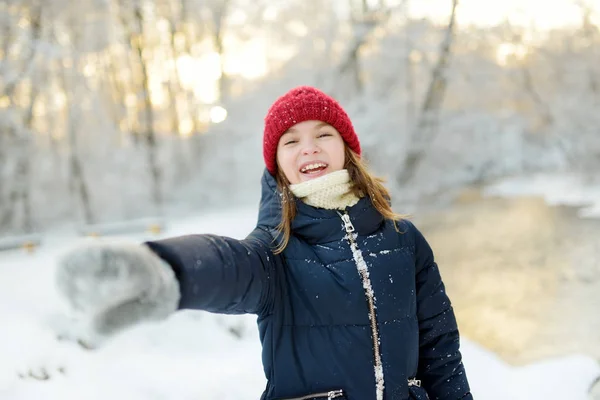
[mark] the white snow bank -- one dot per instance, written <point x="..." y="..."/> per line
<point x="558" y="189"/>
<point x="553" y="379"/>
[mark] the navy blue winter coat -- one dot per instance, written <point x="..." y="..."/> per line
<point x="313" y="315"/>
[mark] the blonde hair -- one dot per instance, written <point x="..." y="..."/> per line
<point x="364" y="184"/>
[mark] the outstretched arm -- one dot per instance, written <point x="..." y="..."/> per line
<point x="112" y="285"/>
<point x="221" y="274"/>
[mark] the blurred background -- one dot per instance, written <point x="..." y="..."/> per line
<point x="482" y="116"/>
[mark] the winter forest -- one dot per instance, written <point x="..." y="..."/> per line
<point x="115" y="110"/>
<point x="481" y="115"/>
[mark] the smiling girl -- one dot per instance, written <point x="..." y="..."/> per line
<point x="349" y="299"/>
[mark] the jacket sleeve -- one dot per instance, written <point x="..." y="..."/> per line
<point x="221" y="274"/>
<point x="441" y="370"/>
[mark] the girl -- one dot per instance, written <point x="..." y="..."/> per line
<point x="349" y="299"/>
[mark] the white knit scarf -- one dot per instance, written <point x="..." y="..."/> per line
<point x="332" y="191"/>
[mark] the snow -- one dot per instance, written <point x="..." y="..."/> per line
<point x="191" y="355"/>
<point x="556" y="189"/>
<point x="560" y="378"/>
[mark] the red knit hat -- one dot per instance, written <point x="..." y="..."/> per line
<point x="300" y="104"/>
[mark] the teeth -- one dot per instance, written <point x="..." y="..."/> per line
<point x="313" y="166"/>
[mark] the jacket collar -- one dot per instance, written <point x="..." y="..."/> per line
<point x="315" y="225"/>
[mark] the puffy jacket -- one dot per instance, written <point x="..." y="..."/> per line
<point x="352" y="302"/>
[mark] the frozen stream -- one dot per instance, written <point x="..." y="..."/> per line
<point x="524" y="276"/>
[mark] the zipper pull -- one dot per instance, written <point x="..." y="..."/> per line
<point x="347" y="223"/>
<point x="414" y="382"/>
<point x="334" y="394"/>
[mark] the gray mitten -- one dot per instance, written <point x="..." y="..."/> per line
<point x="114" y="285"/>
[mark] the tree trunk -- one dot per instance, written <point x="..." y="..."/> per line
<point x="543" y="109"/>
<point x="25" y="137"/>
<point x="351" y="63"/>
<point x="189" y="33"/>
<point x="364" y="21"/>
<point x="409" y="77"/>
<point x="116" y="91"/>
<point x="149" y="133"/>
<point x="23" y="176"/>
<point x="26" y="164"/>
<point x="591" y="33"/>
<point x="129" y="87"/>
<point x="174" y="85"/>
<point x="219" y="15"/>
<point x="427" y="124"/>
<point x="35" y="17"/>
<point x="77" y="182"/>
<point x="175" y="88"/>
<point x="8" y="211"/>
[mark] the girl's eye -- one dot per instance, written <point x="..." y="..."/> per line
<point x="324" y="134"/>
<point x="290" y="142"/>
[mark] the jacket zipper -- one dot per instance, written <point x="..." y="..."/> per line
<point x="332" y="394"/>
<point x="364" y="275"/>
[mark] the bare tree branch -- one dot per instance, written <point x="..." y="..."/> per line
<point x="426" y="127"/>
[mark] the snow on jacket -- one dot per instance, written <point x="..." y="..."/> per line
<point x="314" y="319"/>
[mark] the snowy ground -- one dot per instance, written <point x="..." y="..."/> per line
<point x="193" y="355"/>
<point x="567" y="189"/>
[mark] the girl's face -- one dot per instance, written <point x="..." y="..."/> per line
<point x="308" y="150"/>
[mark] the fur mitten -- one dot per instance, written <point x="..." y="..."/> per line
<point x="114" y="285"/>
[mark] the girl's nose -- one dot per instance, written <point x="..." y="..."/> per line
<point x="310" y="148"/>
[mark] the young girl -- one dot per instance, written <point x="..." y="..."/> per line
<point x="349" y="299"/>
